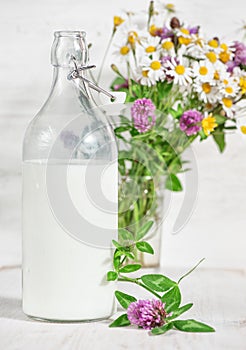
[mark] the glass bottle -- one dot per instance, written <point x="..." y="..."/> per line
<point x="69" y="196"/>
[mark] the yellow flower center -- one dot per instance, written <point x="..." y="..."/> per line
<point x="118" y="21"/>
<point x="150" y="49"/>
<point x="170" y="6"/>
<point x="124" y="50"/>
<point x="155" y="65"/>
<point x="229" y="89"/>
<point x="153" y="30"/>
<point x="213" y="43"/>
<point x="224" y="47"/>
<point x="209" y="124"/>
<point x="242" y="84"/>
<point x="225" y="81"/>
<point x="227" y="102"/>
<point x="216" y="75"/>
<point x="167" y="45"/>
<point x="243" y="129"/>
<point x="180" y="70"/>
<point x="185" y="31"/>
<point x="203" y="70"/>
<point x="211" y="56"/>
<point x="145" y="73"/>
<point x="132" y="37"/>
<point x="184" y="41"/>
<point x="224" y="56"/>
<point x="206" y="87"/>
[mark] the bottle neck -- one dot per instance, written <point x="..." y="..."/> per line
<point x="68" y="46"/>
<point x="68" y="50"/>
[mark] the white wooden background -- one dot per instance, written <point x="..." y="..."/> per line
<point x="217" y="228"/>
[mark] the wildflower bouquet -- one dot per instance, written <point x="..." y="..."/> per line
<point x="182" y="87"/>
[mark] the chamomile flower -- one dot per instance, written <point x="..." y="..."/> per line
<point x="167" y="47"/>
<point x="213" y="45"/>
<point x="226" y="55"/>
<point x="184" y="36"/>
<point x="196" y="47"/>
<point x="179" y="71"/>
<point x="150" y="44"/>
<point x="242" y="84"/>
<point x="228" y="107"/>
<point x="122" y="52"/>
<point x="220" y="73"/>
<point x="153" y="65"/>
<point x="207" y="92"/>
<point x="142" y="75"/>
<point x="229" y="87"/>
<point x="203" y="71"/>
<point x="129" y="33"/>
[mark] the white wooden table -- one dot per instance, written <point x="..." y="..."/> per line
<point x="219" y="298"/>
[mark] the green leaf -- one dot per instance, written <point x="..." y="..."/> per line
<point x="116" y="244"/>
<point x="112" y="276"/>
<point x="125" y="235"/>
<point x="158" y="282"/>
<point x="121" y="321"/>
<point x="192" y="326"/>
<point x="116" y="260"/>
<point x="122" y="251"/>
<point x="176" y="113"/>
<point x="144" y="230"/>
<point x="163" y="329"/>
<point x="124" y="299"/>
<point x="144" y="247"/>
<point x="219" y="138"/>
<point x="180" y="311"/>
<point x="220" y="119"/>
<point x="130" y="268"/>
<point x="173" y="183"/>
<point x="172" y="299"/>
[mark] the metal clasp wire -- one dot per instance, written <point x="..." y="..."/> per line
<point x="75" y="74"/>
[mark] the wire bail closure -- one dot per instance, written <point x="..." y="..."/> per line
<point x="75" y="74"/>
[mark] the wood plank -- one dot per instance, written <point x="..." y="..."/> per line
<point x="219" y="297"/>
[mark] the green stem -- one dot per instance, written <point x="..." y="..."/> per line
<point x="189" y="272"/>
<point x="136" y="281"/>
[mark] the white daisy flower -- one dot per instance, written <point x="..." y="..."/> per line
<point x="207" y="92"/>
<point x="213" y="45"/>
<point x="196" y="47"/>
<point x="150" y="44"/>
<point x="228" y="106"/>
<point x="203" y="71"/>
<point x="220" y="72"/>
<point x="229" y="87"/>
<point x="122" y="52"/>
<point x="179" y="71"/>
<point x="167" y="47"/>
<point x="153" y="65"/>
<point x="142" y="75"/>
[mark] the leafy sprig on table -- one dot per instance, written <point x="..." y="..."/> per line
<point x="162" y="287"/>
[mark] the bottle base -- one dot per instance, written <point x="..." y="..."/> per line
<point x="54" y="320"/>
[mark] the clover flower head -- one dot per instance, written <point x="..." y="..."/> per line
<point x="143" y="114"/>
<point x="190" y="122"/>
<point x="147" y="314"/>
